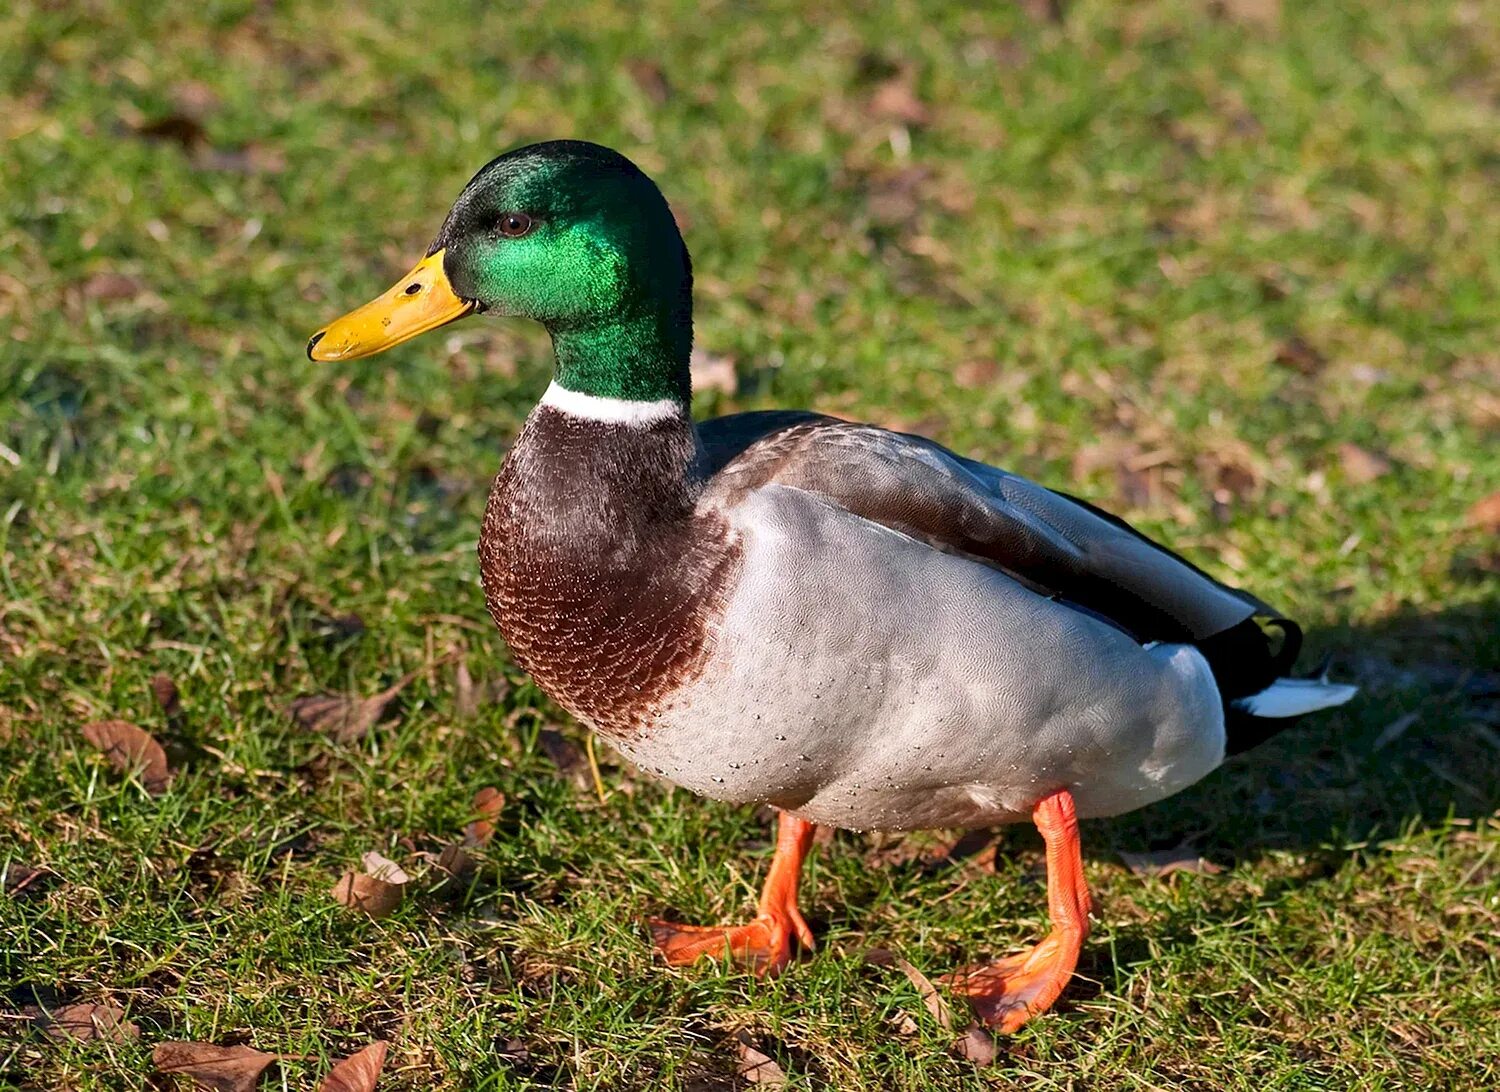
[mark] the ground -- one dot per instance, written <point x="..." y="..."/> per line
<point x="1229" y="268"/>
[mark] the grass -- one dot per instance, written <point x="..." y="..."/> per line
<point x="1231" y="269"/>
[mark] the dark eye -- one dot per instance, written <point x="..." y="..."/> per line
<point x="514" y="224"/>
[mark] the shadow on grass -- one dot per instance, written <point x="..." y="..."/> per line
<point x="1420" y="745"/>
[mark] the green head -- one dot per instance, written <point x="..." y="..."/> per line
<point x="570" y="234"/>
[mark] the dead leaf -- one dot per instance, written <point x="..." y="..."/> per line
<point x="180" y="129"/>
<point x="166" y="694"/>
<point x="1295" y="353"/>
<point x="130" y="748"/>
<point x="713" y="372"/>
<point x="1044" y="11"/>
<point x="896" y="100"/>
<point x="465" y="701"/>
<point x="1486" y="514"/>
<point x="1164" y="862"/>
<point x="936" y="1006"/>
<point x="974" y="375"/>
<point x="84" y="1022"/>
<point x="1262" y="13"/>
<point x="346" y="717"/>
<point x="565" y="756"/>
<point x="18" y="877"/>
<point x="110" y="287"/>
<point x="651" y="78"/>
<point x="195" y="98"/>
<point x="358" y="1072"/>
<point x="1362" y="466"/>
<point x="755" y="1066"/>
<point x="488" y="803"/>
<point x="377" y="890"/>
<point x="216" y="1068"/>
<point x="455" y="858"/>
<point x="977" y="1044"/>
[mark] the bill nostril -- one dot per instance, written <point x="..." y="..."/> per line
<point x="413" y="288"/>
<point x="312" y="342"/>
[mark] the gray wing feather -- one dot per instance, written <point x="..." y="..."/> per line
<point x="1053" y="543"/>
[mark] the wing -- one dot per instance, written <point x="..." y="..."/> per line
<point x="1059" y="546"/>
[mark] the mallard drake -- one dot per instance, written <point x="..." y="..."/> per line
<point x="854" y="626"/>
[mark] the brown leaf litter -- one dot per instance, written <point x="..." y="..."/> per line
<point x="211" y="1067"/>
<point x="347" y="717"/>
<point x="974" y="1043"/>
<point x="1165" y="862"/>
<point x="84" y="1022"/>
<point x="131" y="749"/>
<point x="754" y="1066"/>
<point x="358" y="1072"/>
<point x="377" y="890"/>
<point x="456" y="859"/>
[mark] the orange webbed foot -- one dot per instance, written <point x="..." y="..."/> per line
<point x="1010" y="991"/>
<point x="765" y="944"/>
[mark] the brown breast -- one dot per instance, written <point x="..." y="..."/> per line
<point x="600" y="575"/>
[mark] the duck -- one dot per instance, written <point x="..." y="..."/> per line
<point x="855" y="627"/>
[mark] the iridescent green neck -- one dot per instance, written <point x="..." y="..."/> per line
<point x="640" y="357"/>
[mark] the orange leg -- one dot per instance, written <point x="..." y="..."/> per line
<point x="765" y="943"/>
<point x="1010" y="991"/>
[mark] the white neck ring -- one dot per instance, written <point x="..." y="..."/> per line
<point x="613" y="411"/>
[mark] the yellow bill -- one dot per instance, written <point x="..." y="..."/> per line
<point x="420" y="301"/>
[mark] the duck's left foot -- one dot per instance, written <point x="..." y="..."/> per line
<point x="1011" y="991"/>
<point x="765" y="944"/>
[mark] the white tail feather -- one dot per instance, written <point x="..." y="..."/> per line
<point x="1293" y="697"/>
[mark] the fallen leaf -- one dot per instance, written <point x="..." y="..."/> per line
<point x="565" y="756"/>
<point x="1263" y="13"/>
<point x="488" y="803"/>
<point x="346" y="717"/>
<point x="1164" y="862"/>
<point x="195" y="98"/>
<point x="377" y="898"/>
<point x="936" y="1006"/>
<point x="18" y="877"/>
<point x="358" y="1072"/>
<point x="651" y="78"/>
<point x="977" y="1044"/>
<point x="465" y="699"/>
<point x="110" y="287"/>
<point x="755" y="1066"/>
<point x="377" y="890"/>
<point x="216" y="1068"/>
<point x="84" y="1022"/>
<point x="130" y="749"/>
<point x="1295" y="353"/>
<point x="1486" y="514"/>
<point x="1044" y="11"/>
<point x="713" y="372"/>
<point x="181" y="129"/>
<point x="1362" y="466"/>
<point x="166" y="694"/>
<point x="896" y="100"/>
<point x="455" y="858"/>
<point x="383" y="868"/>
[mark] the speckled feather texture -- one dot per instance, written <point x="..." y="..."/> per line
<point x="763" y="643"/>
